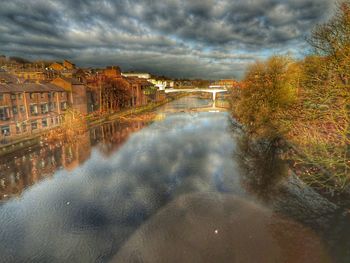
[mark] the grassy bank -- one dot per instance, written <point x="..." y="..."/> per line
<point x="274" y="109"/>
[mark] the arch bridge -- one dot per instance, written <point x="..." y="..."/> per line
<point x="214" y="91"/>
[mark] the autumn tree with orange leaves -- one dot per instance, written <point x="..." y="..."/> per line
<point x="115" y="94"/>
<point x="268" y="92"/>
<point x="308" y="103"/>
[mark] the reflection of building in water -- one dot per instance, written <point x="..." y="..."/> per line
<point x="39" y="162"/>
<point x="77" y="153"/>
<point x="111" y="136"/>
<point x="34" y="164"/>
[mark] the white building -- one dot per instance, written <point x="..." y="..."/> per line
<point x="137" y="75"/>
<point x="161" y="84"/>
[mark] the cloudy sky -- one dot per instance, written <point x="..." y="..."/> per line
<point x="179" y="38"/>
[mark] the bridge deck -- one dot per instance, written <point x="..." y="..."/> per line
<point x="195" y="90"/>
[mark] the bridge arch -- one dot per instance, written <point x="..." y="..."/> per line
<point x="212" y="90"/>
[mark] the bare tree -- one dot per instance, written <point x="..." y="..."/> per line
<point x="115" y="94"/>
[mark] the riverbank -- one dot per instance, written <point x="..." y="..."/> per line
<point x="91" y="121"/>
<point x="289" y="161"/>
<point x="275" y="106"/>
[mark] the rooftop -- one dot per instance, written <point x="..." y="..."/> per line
<point x="29" y="87"/>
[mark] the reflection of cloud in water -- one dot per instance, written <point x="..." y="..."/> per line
<point x="85" y="215"/>
<point x="220" y="228"/>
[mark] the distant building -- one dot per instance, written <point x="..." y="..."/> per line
<point x="227" y="83"/>
<point x="57" y="66"/>
<point x="112" y="72"/>
<point x="9" y="78"/>
<point x="137" y="75"/>
<point x="162" y="84"/>
<point x="31" y="74"/>
<point x="66" y="65"/>
<point x="142" y="91"/>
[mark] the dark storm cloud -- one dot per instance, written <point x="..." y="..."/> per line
<point x="197" y="32"/>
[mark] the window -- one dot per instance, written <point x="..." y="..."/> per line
<point x="5" y="130"/>
<point x="52" y="121"/>
<point x="33" y="109"/>
<point x="63" y="105"/>
<point x="44" y="108"/>
<point x="20" y="96"/>
<point x="42" y="95"/>
<point x="32" y="95"/>
<point x="44" y="123"/>
<point x="62" y="94"/>
<point x="24" y="127"/>
<point x="21" y="109"/>
<point x="13" y="96"/>
<point x="1" y="96"/>
<point x="50" y="95"/>
<point x="4" y="113"/>
<point x="14" y="109"/>
<point x="18" y="128"/>
<point x="34" y="125"/>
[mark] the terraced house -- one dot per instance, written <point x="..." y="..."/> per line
<point x="29" y="107"/>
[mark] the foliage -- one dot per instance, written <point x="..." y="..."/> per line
<point x="332" y="40"/>
<point x="308" y="102"/>
<point x="115" y="94"/>
<point x="268" y="93"/>
<point x="149" y="90"/>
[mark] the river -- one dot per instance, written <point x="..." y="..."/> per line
<point x="181" y="188"/>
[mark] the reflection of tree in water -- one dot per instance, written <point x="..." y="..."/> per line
<point x="266" y="175"/>
<point x="263" y="168"/>
<point x="111" y="136"/>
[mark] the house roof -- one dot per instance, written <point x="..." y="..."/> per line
<point x="8" y="78"/>
<point x="58" y="63"/>
<point x="136" y="80"/>
<point x="73" y="81"/>
<point x="28" y="87"/>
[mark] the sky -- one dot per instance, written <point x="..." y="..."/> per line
<point x="208" y="39"/>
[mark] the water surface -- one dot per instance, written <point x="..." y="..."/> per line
<point x="170" y="191"/>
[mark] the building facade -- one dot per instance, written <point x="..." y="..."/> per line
<point x="30" y="107"/>
<point x="77" y="93"/>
